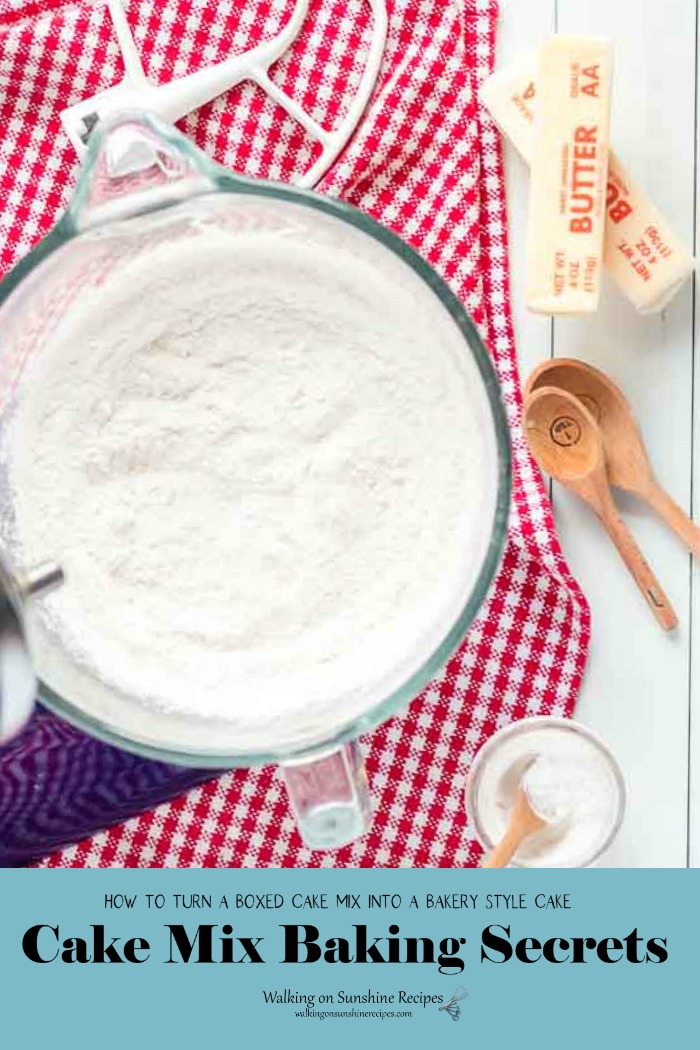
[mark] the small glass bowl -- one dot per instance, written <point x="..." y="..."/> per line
<point x="520" y="728"/>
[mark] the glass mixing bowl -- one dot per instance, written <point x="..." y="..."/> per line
<point x="144" y="183"/>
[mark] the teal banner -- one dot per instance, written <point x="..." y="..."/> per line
<point x="117" y="958"/>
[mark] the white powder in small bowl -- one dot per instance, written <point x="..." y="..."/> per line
<point x="571" y="781"/>
<point x="553" y="786"/>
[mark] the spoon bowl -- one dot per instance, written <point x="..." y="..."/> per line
<point x="628" y="464"/>
<point x="603" y="398"/>
<point x="562" y="435"/>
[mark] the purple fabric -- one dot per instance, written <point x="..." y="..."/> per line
<point x="58" y="785"/>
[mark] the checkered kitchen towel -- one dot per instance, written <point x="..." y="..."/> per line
<point x="427" y="163"/>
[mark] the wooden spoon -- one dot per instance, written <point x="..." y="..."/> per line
<point x="567" y="443"/>
<point x="523" y="822"/>
<point x="626" y="456"/>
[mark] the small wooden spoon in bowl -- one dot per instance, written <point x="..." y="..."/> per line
<point x="626" y="455"/>
<point x="523" y="822"/>
<point x="567" y="443"/>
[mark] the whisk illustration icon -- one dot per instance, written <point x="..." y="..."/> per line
<point x="452" y="1007"/>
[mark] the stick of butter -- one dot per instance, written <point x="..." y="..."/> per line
<point x="569" y="176"/>
<point x="643" y="254"/>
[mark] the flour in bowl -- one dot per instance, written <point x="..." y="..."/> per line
<point x="268" y="468"/>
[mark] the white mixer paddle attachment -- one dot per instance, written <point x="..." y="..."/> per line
<point x="18" y="686"/>
<point x="177" y="98"/>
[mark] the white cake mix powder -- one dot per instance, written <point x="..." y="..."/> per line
<point x="570" y="782"/>
<point x="267" y="468"/>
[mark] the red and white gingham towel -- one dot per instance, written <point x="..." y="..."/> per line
<point x="426" y="162"/>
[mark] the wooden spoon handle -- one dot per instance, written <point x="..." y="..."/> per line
<point x="674" y="516"/>
<point x="635" y="561"/>
<point x="503" y="852"/>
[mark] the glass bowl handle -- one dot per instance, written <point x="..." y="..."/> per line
<point x="329" y="794"/>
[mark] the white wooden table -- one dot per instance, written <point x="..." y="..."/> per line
<point x="642" y="689"/>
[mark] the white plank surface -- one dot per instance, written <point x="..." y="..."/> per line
<point x="694" y="749"/>
<point x="638" y="688"/>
